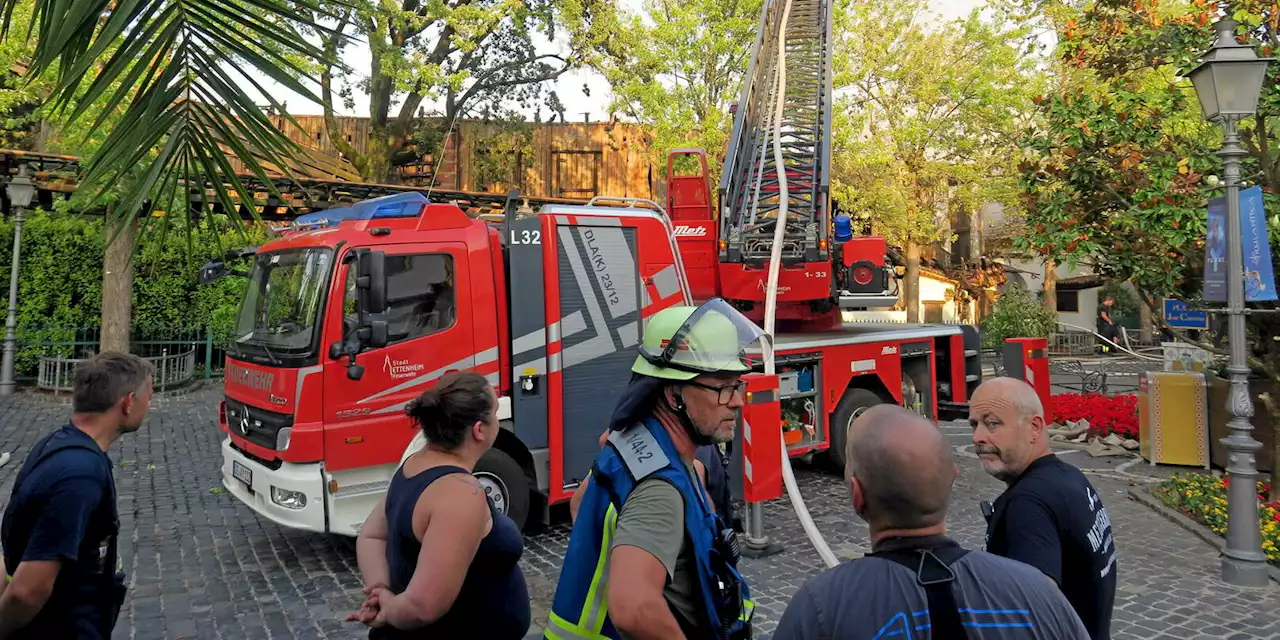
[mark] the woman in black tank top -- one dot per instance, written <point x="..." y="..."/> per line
<point x="438" y="561"/>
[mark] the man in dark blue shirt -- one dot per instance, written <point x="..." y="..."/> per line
<point x="717" y="481"/>
<point x="917" y="582"/>
<point x="60" y="527"/>
<point x="1050" y="516"/>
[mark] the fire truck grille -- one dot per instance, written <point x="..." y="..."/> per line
<point x="259" y="426"/>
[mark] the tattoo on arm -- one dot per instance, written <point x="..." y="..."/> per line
<point x="468" y="480"/>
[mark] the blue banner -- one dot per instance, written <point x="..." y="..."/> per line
<point x="1259" y="279"/>
<point x="1177" y="315"/>
<point x="1215" y="252"/>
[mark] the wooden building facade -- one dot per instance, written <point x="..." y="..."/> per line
<point x="571" y="160"/>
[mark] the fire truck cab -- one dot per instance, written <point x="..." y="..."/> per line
<point x="355" y="311"/>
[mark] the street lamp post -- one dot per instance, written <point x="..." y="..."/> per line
<point x="1228" y="83"/>
<point x="21" y="192"/>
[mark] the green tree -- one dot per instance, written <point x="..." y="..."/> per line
<point x="158" y="71"/>
<point x="477" y="57"/>
<point x="927" y="120"/>
<point x="502" y="154"/>
<point x="151" y="95"/>
<point x="1115" y="175"/>
<point x="1017" y="314"/>
<point x="679" y="68"/>
<point x="1125" y="305"/>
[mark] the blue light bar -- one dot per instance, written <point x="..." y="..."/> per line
<point x="397" y="205"/>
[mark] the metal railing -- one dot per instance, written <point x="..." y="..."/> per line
<point x="1075" y="365"/>
<point x="170" y="371"/>
<point x="46" y="356"/>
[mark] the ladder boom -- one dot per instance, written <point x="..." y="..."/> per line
<point x="749" y="186"/>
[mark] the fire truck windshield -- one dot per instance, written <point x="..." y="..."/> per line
<point x="282" y="306"/>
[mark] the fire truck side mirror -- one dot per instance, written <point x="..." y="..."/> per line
<point x="372" y="281"/>
<point x="374" y="334"/>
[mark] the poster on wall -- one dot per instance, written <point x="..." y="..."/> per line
<point x="1259" y="279"/>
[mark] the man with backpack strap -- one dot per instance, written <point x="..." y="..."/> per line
<point x="917" y="582"/>
<point x="60" y="529"/>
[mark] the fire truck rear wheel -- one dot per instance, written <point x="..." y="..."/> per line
<point x="853" y="403"/>
<point x="505" y="483"/>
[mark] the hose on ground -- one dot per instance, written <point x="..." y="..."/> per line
<point x="771" y="293"/>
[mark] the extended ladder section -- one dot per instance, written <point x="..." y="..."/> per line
<point x="749" y="185"/>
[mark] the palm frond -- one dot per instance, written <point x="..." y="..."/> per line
<point x="171" y="74"/>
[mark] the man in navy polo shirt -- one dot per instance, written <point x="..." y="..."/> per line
<point x="60" y="527"/>
<point x="1050" y="516"/>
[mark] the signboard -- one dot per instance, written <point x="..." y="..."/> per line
<point x="1259" y="279"/>
<point x="1177" y="315"/>
<point x="1215" y="252"/>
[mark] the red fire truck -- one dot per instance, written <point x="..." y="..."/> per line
<point x="354" y="311"/>
<point x="357" y="310"/>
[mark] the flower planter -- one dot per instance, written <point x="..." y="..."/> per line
<point x="1106" y="414"/>
<point x="1220" y="415"/>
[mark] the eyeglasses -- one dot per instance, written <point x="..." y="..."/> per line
<point x="726" y="392"/>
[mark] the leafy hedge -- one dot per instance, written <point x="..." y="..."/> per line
<point x="1017" y="313"/>
<point x="60" y="282"/>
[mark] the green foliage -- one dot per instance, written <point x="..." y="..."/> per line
<point x="148" y="82"/>
<point x="679" y="67"/>
<point x="1017" y="313"/>
<point x="60" y="285"/>
<point x="476" y="59"/>
<point x="19" y="99"/>
<point x="1124" y="301"/>
<point x="1114" y="175"/>
<point x="927" y="115"/>
<point x="502" y="154"/>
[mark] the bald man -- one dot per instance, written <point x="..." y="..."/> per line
<point x="1049" y="516"/>
<point x="900" y="471"/>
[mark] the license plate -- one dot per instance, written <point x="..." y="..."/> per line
<point x="242" y="473"/>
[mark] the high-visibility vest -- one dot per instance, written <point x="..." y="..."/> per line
<point x="580" y="610"/>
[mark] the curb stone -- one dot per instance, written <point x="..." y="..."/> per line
<point x="1144" y="497"/>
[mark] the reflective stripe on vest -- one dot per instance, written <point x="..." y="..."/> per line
<point x="580" y="608"/>
<point x="596" y="607"/>
<point x="559" y="629"/>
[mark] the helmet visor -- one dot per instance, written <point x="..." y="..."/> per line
<point x="715" y="338"/>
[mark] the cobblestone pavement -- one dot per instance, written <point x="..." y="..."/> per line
<point x="204" y="566"/>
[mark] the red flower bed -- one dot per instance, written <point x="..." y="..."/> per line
<point x="1106" y="414"/>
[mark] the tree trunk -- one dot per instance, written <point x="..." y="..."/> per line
<point x="1050" y="297"/>
<point x="1145" y="326"/>
<point x="117" y="284"/>
<point x="911" y="285"/>
<point x="382" y="147"/>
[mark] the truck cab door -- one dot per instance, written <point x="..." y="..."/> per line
<point x="429" y="333"/>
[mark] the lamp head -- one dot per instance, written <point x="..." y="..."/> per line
<point x="1229" y="79"/>
<point x="21" y="190"/>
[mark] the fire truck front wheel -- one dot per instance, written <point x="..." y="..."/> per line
<point x="505" y="483"/>
<point x="853" y="403"/>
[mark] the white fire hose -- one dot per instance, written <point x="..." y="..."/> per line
<point x="771" y="305"/>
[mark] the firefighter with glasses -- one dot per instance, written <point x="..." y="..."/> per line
<point x="645" y="514"/>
